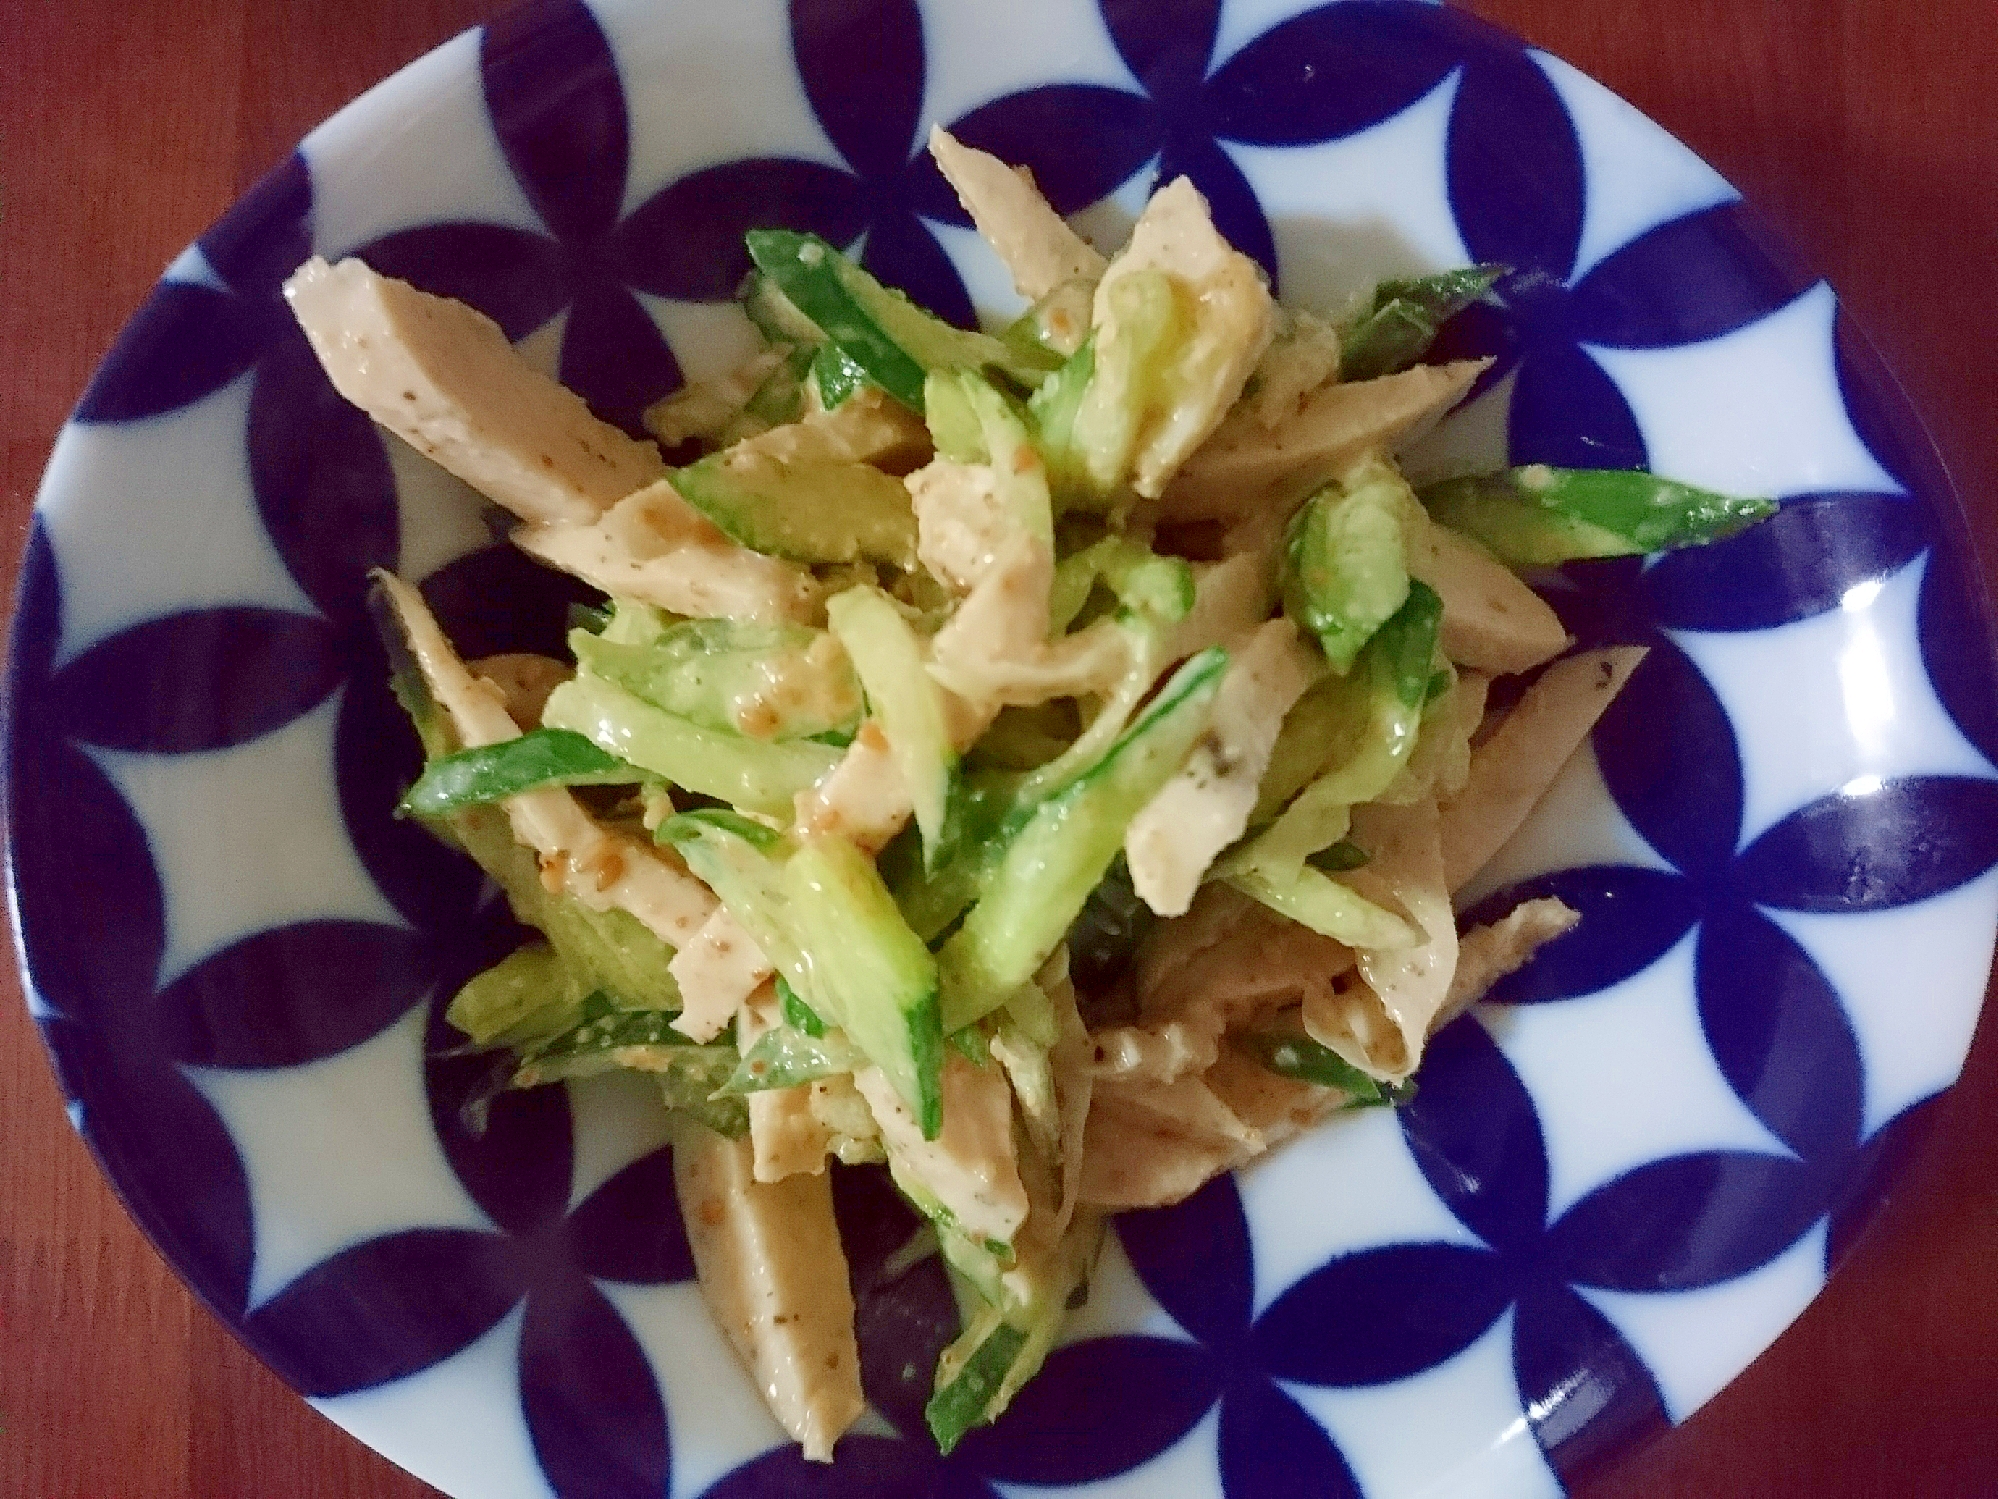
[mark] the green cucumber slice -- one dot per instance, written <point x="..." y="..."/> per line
<point x="905" y="701"/>
<point x="767" y="681"/>
<point x="1541" y="516"/>
<point x="494" y="772"/>
<point x="880" y="330"/>
<point x="761" y="775"/>
<point x="1068" y="842"/>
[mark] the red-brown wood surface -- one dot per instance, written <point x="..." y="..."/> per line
<point x="1865" y="129"/>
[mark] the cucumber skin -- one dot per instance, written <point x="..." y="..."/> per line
<point x="888" y="658"/>
<point x="753" y="773"/>
<point x="878" y="980"/>
<point x="863" y="318"/>
<point x="829" y="926"/>
<point x="808" y="511"/>
<point x="1064" y="847"/>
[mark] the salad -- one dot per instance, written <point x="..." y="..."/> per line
<point x="1040" y="761"/>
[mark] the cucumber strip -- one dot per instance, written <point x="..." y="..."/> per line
<point x="1159" y="589"/>
<point x="876" y="978"/>
<point x="969" y="1375"/>
<point x="1314" y="899"/>
<point x="609" y="950"/>
<point x="930" y="899"/>
<point x="1144" y="649"/>
<point x="906" y="702"/>
<point x="751" y="773"/>
<point x="1352" y="736"/>
<point x="778" y="400"/>
<point x="629" y="622"/>
<point x="972" y="422"/>
<point x="1343" y="573"/>
<point x="529" y="994"/>
<point x="784" y="1058"/>
<point x="494" y="772"/>
<point x="1387" y="340"/>
<point x="765" y="304"/>
<point x="1053" y="408"/>
<point x="767" y="681"/>
<point x="1033" y="1304"/>
<point x="1541" y="516"/>
<point x="1306" y="1061"/>
<point x="608" y="1039"/>
<point x="784" y="500"/>
<point x="1406" y="317"/>
<point x="1405" y="647"/>
<point x="1131" y="375"/>
<point x="759" y="394"/>
<point x="1032" y="1015"/>
<point x="952" y="419"/>
<point x="1444" y="294"/>
<point x="1057" y="324"/>
<point x="1058" y="857"/>
<point x="1319" y="729"/>
<point x="742" y="862"/>
<point x="978" y="1268"/>
<point x="826" y="923"/>
<point x="880" y="330"/>
<point x="835" y="376"/>
<point x="797" y="1014"/>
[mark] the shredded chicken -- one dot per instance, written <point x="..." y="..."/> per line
<point x="772" y="1270"/>
<point x="1512" y="770"/>
<point x="1040" y="251"/>
<point x="1380" y="1024"/>
<point x="785" y="1135"/>
<point x="1486" y="954"/>
<point x="524" y="682"/>
<point x="970" y="1167"/>
<point x="1491" y="620"/>
<point x="442" y="376"/>
<point x="1221" y="292"/>
<point x="654" y="547"/>
<point x="719" y="970"/>
<point x="598" y="866"/>
<point x="1204" y="808"/>
<point x="1245" y="462"/>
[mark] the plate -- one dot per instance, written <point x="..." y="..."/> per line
<point x="1618" y="1182"/>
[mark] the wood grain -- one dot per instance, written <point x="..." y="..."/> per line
<point x="1865" y="129"/>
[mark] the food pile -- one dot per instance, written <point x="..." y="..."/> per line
<point x="1040" y="760"/>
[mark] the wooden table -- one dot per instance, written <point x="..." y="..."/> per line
<point x="1866" y="129"/>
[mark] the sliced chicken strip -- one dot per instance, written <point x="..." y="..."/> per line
<point x="579" y="857"/>
<point x="1512" y="770"/>
<point x="774" y="1275"/>
<point x="1040" y="251"/>
<point x="442" y="376"/>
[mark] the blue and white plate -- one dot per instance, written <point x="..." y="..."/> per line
<point x="1619" y="1181"/>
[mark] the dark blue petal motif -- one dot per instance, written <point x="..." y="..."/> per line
<point x="1329" y="73"/>
<point x="557" y="107"/>
<point x="216" y="678"/>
